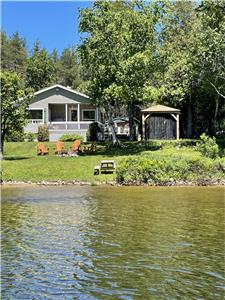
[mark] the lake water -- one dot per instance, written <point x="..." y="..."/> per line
<point x="112" y="243"/>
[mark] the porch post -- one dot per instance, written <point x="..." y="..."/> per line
<point x="178" y="127"/>
<point x="66" y="109"/>
<point x="78" y="112"/>
<point x="143" y="127"/>
<point x="78" y="115"/>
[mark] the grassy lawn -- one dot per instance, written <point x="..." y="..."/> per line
<point x="21" y="162"/>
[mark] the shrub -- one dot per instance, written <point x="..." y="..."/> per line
<point x="208" y="146"/>
<point x="30" y="136"/>
<point x="138" y="170"/>
<point x="15" y="136"/>
<point x="71" y="137"/>
<point x="96" y="132"/>
<point x="43" y="133"/>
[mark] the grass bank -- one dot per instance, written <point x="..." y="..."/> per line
<point x="154" y="162"/>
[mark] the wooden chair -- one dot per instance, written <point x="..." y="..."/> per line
<point x="76" y="146"/>
<point x="41" y="149"/>
<point x="59" y="148"/>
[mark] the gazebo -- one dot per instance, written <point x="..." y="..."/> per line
<point x="160" y="122"/>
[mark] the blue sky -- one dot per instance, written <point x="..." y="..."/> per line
<point x="53" y="23"/>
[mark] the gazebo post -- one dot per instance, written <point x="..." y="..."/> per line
<point x="178" y="127"/>
<point x="143" y="127"/>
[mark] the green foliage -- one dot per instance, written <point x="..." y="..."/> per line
<point x="147" y="170"/>
<point x="71" y="137"/>
<point x="93" y="131"/>
<point x="208" y="146"/>
<point x="15" y="136"/>
<point x="13" y="53"/>
<point x="117" y="52"/>
<point x="14" y="101"/>
<point x="40" y="69"/>
<point x="30" y="136"/>
<point x="68" y="68"/>
<point x="43" y="133"/>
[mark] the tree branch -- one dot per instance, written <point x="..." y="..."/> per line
<point x="221" y="95"/>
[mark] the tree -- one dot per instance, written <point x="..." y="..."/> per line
<point x="117" y="52"/>
<point x="13" y="53"/>
<point x="14" y="101"/>
<point x="69" y="71"/>
<point x="212" y="56"/>
<point x="40" y="69"/>
<point x="190" y="71"/>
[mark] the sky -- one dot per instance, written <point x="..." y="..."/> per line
<point x="53" y="23"/>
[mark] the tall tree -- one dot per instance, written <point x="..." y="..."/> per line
<point x="14" y="101"/>
<point x="40" y="69"/>
<point x="211" y="56"/>
<point x="69" y="72"/>
<point x="117" y="52"/>
<point x="13" y="53"/>
<point x="191" y="68"/>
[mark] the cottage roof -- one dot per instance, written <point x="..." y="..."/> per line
<point x="160" y="109"/>
<point x="61" y="87"/>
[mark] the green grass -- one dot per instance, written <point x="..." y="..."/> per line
<point x="21" y="162"/>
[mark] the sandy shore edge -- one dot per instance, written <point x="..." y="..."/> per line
<point x="108" y="183"/>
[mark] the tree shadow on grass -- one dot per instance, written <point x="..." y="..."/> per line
<point x="16" y="157"/>
<point x="121" y="151"/>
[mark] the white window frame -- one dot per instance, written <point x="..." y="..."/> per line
<point x="88" y="120"/>
<point x="36" y="108"/>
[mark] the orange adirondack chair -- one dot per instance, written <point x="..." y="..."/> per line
<point x="76" y="146"/>
<point x="41" y="149"/>
<point x="59" y="147"/>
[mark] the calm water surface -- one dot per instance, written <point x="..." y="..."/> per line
<point x="112" y="243"/>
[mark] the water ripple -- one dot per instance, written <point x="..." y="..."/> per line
<point x="112" y="243"/>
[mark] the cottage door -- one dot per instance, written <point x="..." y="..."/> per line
<point x="73" y="114"/>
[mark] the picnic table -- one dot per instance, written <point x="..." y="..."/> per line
<point x="105" y="166"/>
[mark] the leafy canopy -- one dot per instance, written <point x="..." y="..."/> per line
<point x="14" y="101"/>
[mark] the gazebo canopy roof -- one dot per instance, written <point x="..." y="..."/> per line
<point x="160" y="109"/>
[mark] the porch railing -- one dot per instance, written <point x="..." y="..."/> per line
<point x="35" y="121"/>
<point x="68" y="125"/>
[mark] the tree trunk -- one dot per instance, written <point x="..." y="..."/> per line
<point x="131" y="122"/>
<point x="115" y="140"/>
<point x="111" y="125"/>
<point x="2" y="144"/>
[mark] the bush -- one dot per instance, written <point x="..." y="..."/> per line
<point x="208" y="146"/>
<point x="30" y="136"/>
<point x="71" y="137"/>
<point x="96" y="132"/>
<point x="43" y="133"/>
<point x="15" y="136"/>
<point x="139" y="170"/>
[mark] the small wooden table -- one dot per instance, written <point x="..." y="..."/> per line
<point x="105" y="167"/>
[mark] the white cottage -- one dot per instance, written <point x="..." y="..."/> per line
<point x="64" y="110"/>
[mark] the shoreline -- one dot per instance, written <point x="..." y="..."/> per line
<point x="110" y="183"/>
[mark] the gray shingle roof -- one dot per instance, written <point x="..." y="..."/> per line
<point x="160" y="109"/>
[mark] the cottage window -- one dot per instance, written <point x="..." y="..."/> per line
<point x="89" y="115"/>
<point x="36" y="114"/>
